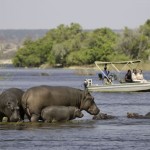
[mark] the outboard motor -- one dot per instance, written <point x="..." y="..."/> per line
<point x="87" y="83"/>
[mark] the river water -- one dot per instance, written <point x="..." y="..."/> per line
<point x="120" y="133"/>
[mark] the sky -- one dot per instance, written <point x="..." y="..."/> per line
<point x="90" y="14"/>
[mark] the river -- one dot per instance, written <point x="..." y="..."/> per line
<point x="120" y="133"/>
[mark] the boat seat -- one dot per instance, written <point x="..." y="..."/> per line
<point x="100" y="76"/>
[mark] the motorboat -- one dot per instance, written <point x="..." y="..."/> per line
<point x="115" y="79"/>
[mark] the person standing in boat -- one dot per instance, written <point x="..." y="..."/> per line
<point x="105" y="75"/>
<point x="106" y="72"/>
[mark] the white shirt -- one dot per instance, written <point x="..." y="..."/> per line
<point x="134" y="77"/>
<point x="139" y="76"/>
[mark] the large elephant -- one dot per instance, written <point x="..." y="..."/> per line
<point x="10" y="105"/>
<point x="39" y="97"/>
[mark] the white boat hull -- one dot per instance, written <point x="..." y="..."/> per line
<point x="125" y="87"/>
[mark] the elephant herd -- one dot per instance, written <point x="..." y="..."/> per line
<point x="46" y="103"/>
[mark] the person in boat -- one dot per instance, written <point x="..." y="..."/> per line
<point x="106" y="72"/>
<point x="140" y="76"/>
<point x="134" y="75"/>
<point x="137" y="76"/>
<point x="128" y="76"/>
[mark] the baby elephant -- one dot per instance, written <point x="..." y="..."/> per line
<point x="60" y="113"/>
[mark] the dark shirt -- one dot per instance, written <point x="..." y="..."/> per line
<point x="128" y="77"/>
<point x="105" y="75"/>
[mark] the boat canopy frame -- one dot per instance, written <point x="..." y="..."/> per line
<point x="130" y="64"/>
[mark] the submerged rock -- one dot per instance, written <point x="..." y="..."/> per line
<point x="102" y="116"/>
<point x="138" y="116"/>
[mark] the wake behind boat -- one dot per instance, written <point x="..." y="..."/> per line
<point x="114" y="82"/>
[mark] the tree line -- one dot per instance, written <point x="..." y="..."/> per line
<point x="71" y="45"/>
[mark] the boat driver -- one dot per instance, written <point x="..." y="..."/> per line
<point x="105" y="75"/>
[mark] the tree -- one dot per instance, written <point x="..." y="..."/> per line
<point x="70" y="45"/>
<point x="102" y="41"/>
<point x="145" y="38"/>
<point x="98" y="45"/>
<point x="33" y="53"/>
<point x="145" y="29"/>
<point x="132" y="43"/>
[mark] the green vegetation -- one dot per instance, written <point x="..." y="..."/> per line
<point x="71" y="45"/>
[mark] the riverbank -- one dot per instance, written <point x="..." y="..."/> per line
<point x="145" y="66"/>
<point x="6" y="61"/>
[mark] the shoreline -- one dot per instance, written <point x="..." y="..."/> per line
<point x="145" y="66"/>
<point x="6" y="62"/>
